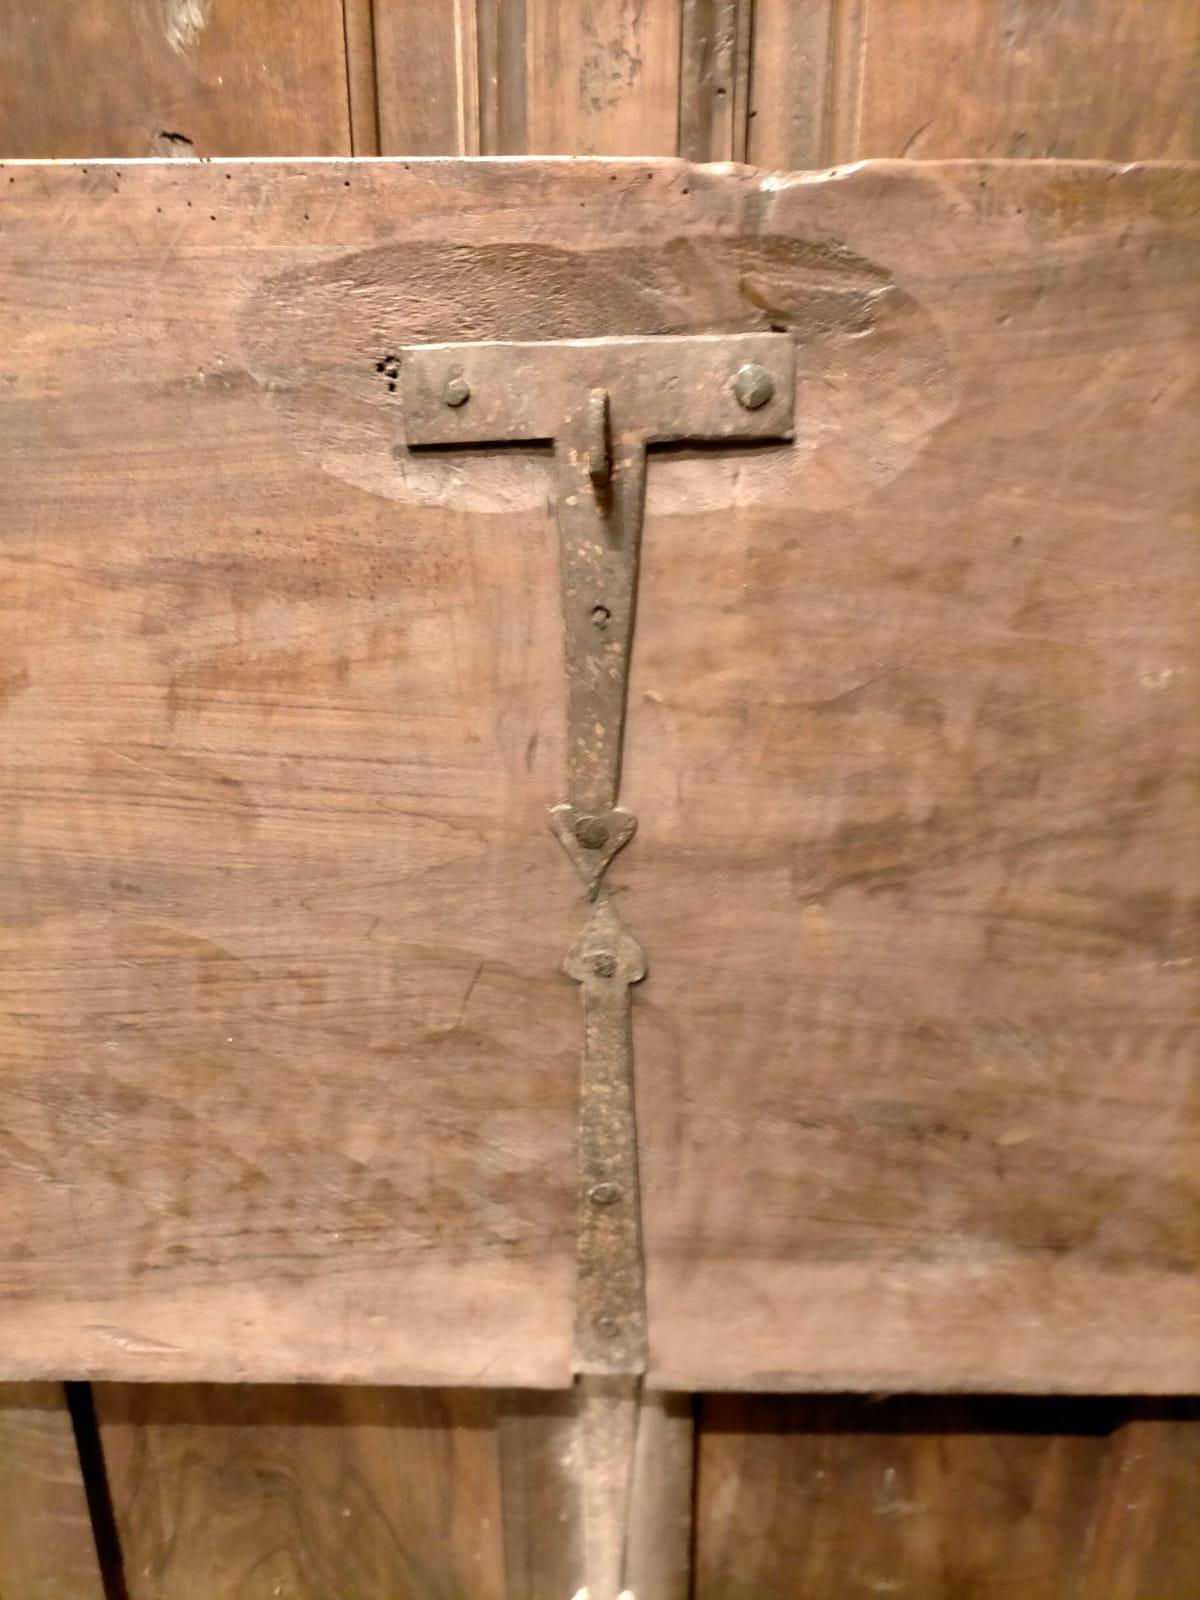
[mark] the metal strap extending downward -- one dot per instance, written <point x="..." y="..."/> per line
<point x="610" y="1308"/>
<point x="601" y="402"/>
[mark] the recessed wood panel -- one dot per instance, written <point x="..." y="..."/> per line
<point x="134" y="78"/>
<point x="602" y="79"/>
<point x="1000" y="1499"/>
<point x="47" y="1551"/>
<point x="851" y="80"/>
<point x="248" y="1493"/>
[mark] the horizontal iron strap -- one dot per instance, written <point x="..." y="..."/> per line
<point x="702" y="386"/>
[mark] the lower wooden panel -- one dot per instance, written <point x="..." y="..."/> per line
<point x="963" y="1499"/>
<point x="46" y="1547"/>
<point x="304" y="1492"/>
<point x="248" y="1493"/>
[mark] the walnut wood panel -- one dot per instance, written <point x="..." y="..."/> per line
<point x="993" y="1500"/>
<point x="789" y="85"/>
<point x="309" y="1492"/>
<point x="826" y="83"/>
<point x="46" y="1547"/>
<point x="289" y="1070"/>
<point x="913" y="740"/>
<point x="602" y="77"/>
<point x="427" y="74"/>
<point x="173" y="77"/>
<point x="847" y="80"/>
<point x="288" y="1064"/>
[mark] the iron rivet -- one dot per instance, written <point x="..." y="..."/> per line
<point x="457" y="392"/>
<point x="592" y="832"/>
<point x="605" y="965"/>
<point x="753" y="386"/>
<point x="608" y="1327"/>
<point x="604" y="1194"/>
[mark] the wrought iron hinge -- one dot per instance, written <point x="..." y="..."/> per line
<point x="600" y="403"/>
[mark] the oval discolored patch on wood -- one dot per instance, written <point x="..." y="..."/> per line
<point x="874" y="372"/>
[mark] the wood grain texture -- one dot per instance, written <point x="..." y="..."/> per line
<point x="46" y="1547"/>
<point x="283" y="918"/>
<point x="503" y="77"/>
<point x="1145" y="1535"/>
<point x="173" y="77"/>
<point x="913" y="744"/>
<point x="427" y="69"/>
<point x="714" y="79"/>
<point x="1000" y="1499"/>
<point x="361" y="81"/>
<point x="790" y="68"/>
<point x="248" y="1493"/>
<point x="848" y="80"/>
<point x="543" y="1512"/>
<point x="602" y="77"/>
<point x="289" y="1071"/>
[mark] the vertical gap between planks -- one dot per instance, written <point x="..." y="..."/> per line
<point x="743" y="49"/>
<point x="714" y="79"/>
<point x="82" y="1406"/>
<point x="362" y="89"/>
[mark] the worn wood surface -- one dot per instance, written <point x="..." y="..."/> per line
<point x="289" y="1069"/>
<point x="789" y="85"/>
<point x="848" y="80"/>
<point x="427" y="77"/>
<point x="913" y="742"/>
<point x="173" y="78"/>
<point x="47" y="1551"/>
<point x="538" y="1438"/>
<point x="714" y="82"/>
<point x="1000" y="1499"/>
<point x="602" y="78"/>
<point x="248" y="1494"/>
<point x="288" y="1063"/>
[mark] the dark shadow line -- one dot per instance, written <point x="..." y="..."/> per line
<point x="82" y="1407"/>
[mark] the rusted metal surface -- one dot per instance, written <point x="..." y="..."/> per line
<point x="660" y="388"/>
<point x="610" y="1308"/>
<point x="600" y="403"/>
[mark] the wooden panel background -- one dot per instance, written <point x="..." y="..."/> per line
<point x="296" y="1133"/>
<point x="308" y="1492"/>
<point x="997" y="1499"/>
<point x="281" y="923"/>
<point x="783" y="84"/>
<point x="47" y="1550"/>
